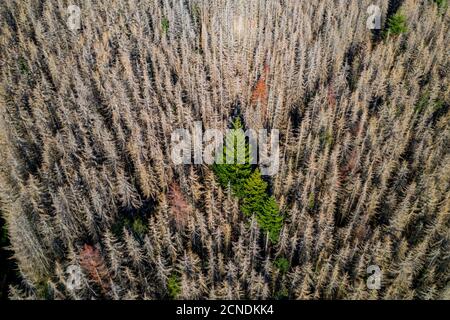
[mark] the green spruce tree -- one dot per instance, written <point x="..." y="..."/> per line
<point x="270" y="219"/>
<point x="397" y="25"/>
<point x="247" y="185"/>
<point x="257" y="201"/>
<point x="255" y="195"/>
<point x="173" y="286"/>
<point x="234" y="174"/>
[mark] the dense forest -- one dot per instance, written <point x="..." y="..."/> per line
<point x="93" y="206"/>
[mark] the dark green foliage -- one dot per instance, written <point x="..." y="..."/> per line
<point x="135" y="224"/>
<point x="23" y="65"/>
<point x="270" y="219"/>
<point x="438" y="105"/>
<point x="422" y="103"/>
<point x="165" y="25"/>
<point x="234" y="174"/>
<point x="326" y="138"/>
<point x="442" y="4"/>
<point x="139" y="227"/>
<point x="255" y="194"/>
<point x="173" y="286"/>
<point x="265" y="207"/>
<point x="435" y="105"/>
<point x="196" y="12"/>
<point x="248" y="186"/>
<point x="311" y="201"/>
<point x="43" y="290"/>
<point x="282" y="264"/>
<point x="282" y="294"/>
<point x="397" y="25"/>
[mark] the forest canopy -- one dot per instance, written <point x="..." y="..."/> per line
<point x="93" y="206"/>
